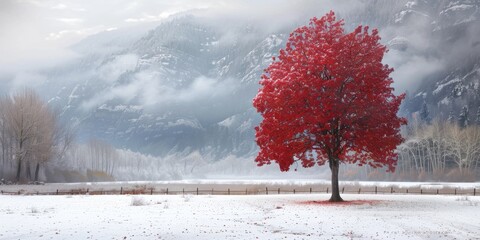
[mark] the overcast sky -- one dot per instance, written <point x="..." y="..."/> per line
<point x="35" y="33"/>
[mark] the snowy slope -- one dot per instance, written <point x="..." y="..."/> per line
<point x="450" y="55"/>
<point x="167" y="90"/>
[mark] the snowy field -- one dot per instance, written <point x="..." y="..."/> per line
<point x="239" y="217"/>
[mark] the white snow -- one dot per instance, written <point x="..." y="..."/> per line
<point x="121" y="108"/>
<point x="228" y="121"/>
<point x="246" y="126"/>
<point x="410" y="4"/>
<point x="185" y="122"/>
<point x="445" y="101"/>
<point x="461" y="7"/>
<point x="456" y="14"/>
<point x="441" y="86"/>
<point x="400" y="17"/>
<point x="238" y="217"/>
<point x="423" y="94"/>
<point x="72" y="95"/>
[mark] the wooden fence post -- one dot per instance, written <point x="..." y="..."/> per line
<point x="278" y="190"/>
<point x="266" y="190"/>
<point x="359" y="189"/>
<point x="455" y="191"/>
<point x="167" y="191"/>
<point x="437" y="191"/>
<point x="246" y="191"/>
<point x="421" y="191"/>
<point x="391" y="190"/>
<point x="151" y="191"/>
<point x="197" y="190"/>
<point x="183" y="191"/>
<point x="229" y="191"/>
<point x="343" y="189"/>
<point x="474" y="191"/>
<point x="310" y="190"/>
<point x="294" y="191"/>
<point x="121" y="190"/>
<point x="212" y="191"/>
<point x="407" y="190"/>
<point x="57" y="191"/>
<point x="375" y="189"/>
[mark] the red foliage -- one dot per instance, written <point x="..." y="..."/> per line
<point x="328" y="96"/>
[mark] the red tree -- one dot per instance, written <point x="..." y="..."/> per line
<point x="327" y="98"/>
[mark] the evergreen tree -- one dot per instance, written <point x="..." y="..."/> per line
<point x="478" y="115"/>
<point x="451" y="117"/>
<point x="425" y="114"/>
<point x="463" y="120"/>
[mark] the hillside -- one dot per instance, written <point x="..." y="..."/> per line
<point x="187" y="84"/>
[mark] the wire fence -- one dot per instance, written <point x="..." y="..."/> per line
<point x="248" y="191"/>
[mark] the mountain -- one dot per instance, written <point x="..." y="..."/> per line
<point x="452" y="29"/>
<point x="187" y="84"/>
<point x="181" y="87"/>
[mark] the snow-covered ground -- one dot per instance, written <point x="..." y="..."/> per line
<point x="239" y="217"/>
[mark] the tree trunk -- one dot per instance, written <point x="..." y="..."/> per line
<point x="28" y="172"/>
<point x="19" y="169"/>
<point x="37" y="169"/>
<point x="334" y="167"/>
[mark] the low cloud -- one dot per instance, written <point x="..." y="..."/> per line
<point x="410" y="70"/>
<point x="29" y="79"/>
<point x="111" y="71"/>
<point x="37" y="34"/>
<point x="151" y="92"/>
<point x="71" y="21"/>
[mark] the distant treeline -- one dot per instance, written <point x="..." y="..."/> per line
<point x="433" y="150"/>
<point x="35" y="145"/>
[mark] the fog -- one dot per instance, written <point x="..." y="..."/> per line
<point x="112" y="55"/>
<point x="38" y="35"/>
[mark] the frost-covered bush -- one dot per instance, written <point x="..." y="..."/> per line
<point x="138" y="201"/>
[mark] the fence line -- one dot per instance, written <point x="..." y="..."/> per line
<point x="247" y="191"/>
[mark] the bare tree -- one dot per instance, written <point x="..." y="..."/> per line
<point x="432" y="149"/>
<point x="102" y="156"/>
<point x="464" y="146"/>
<point x="22" y="116"/>
<point x="29" y="129"/>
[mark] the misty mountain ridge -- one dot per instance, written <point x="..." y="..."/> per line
<point x="187" y="84"/>
<point x="454" y="51"/>
<point x="180" y="87"/>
